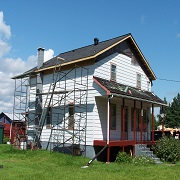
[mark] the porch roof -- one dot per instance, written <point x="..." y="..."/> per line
<point x="117" y="89"/>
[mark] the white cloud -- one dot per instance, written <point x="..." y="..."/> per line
<point x="10" y="67"/>
<point x="5" y="30"/>
<point x="5" y="34"/>
<point x="48" y="54"/>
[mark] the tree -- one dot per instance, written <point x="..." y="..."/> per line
<point x="172" y="112"/>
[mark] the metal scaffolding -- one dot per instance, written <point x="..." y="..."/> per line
<point x="55" y="111"/>
<point x="19" y="123"/>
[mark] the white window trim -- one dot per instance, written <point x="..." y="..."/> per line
<point x="113" y="73"/>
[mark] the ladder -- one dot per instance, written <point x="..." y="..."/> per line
<point x="47" y="103"/>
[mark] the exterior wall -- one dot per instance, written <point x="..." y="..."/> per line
<point x="100" y="132"/>
<point x="67" y="83"/>
<point x="126" y="71"/>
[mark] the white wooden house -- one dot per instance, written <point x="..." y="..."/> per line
<point x="91" y="97"/>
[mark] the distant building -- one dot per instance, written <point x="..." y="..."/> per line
<point x="5" y="121"/>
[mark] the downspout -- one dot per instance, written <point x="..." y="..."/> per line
<point x="108" y="137"/>
<point x="134" y="125"/>
<point x="108" y="127"/>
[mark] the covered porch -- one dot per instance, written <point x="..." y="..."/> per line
<point x="129" y="118"/>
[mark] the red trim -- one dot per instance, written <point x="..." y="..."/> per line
<point x="120" y="143"/>
<point x="114" y="143"/>
<point x="107" y="91"/>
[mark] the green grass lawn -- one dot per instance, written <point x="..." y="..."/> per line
<point x="41" y="164"/>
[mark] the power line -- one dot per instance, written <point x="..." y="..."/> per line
<point x="172" y="80"/>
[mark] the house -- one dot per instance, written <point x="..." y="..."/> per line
<point x="89" y="98"/>
<point x="15" y="130"/>
<point x="5" y="121"/>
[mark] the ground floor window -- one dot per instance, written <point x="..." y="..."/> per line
<point x="49" y="117"/>
<point x="71" y="116"/>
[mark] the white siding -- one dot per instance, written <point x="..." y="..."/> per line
<point x="97" y="105"/>
<point x="126" y="72"/>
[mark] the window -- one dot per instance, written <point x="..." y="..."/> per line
<point x="139" y="81"/>
<point x="71" y="117"/>
<point x="49" y="117"/>
<point x="113" y="116"/>
<point x="113" y="72"/>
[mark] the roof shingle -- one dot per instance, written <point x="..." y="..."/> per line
<point x="129" y="91"/>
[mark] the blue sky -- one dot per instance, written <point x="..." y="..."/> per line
<point x="60" y="26"/>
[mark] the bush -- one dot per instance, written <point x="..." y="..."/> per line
<point x="167" y="149"/>
<point x="143" y="160"/>
<point x="123" y="157"/>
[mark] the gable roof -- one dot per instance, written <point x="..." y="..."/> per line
<point x="90" y="52"/>
<point x="7" y="115"/>
<point x="129" y="92"/>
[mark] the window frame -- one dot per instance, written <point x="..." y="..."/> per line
<point x="138" y="80"/>
<point x="113" y="73"/>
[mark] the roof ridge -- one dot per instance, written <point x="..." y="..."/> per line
<point x="93" y="44"/>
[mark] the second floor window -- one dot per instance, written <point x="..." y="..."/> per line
<point x="113" y="72"/>
<point x="138" y="81"/>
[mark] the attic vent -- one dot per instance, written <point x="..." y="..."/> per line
<point x="96" y="41"/>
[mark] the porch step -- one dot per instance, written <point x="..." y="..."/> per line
<point x="143" y="150"/>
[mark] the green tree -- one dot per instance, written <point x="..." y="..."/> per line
<point x="172" y="112"/>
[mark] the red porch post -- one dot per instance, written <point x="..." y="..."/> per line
<point x="134" y="121"/>
<point x="123" y="123"/>
<point x="141" y="126"/>
<point x="152" y="123"/>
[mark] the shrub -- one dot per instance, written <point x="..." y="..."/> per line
<point x="167" y="149"/>
<point x="123" y="157"/>
<point x="143" y="160"/>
